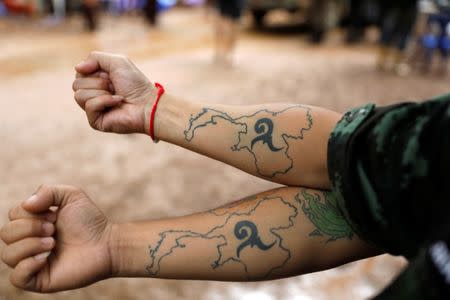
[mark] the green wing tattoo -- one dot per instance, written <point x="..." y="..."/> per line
<point x="326" y="216"/>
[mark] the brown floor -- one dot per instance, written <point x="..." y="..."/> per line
<point x="46" y="139"/>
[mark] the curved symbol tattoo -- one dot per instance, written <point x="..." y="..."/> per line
<point x="241" y="231"/>
<point x="265" y="127"/>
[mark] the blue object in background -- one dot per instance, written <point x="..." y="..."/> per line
<point x="194" y="2"/>
<point x="3" y="11"/>
<point x="445" y="45"/>
<point x="430" y="41"/>
<point x="165" y="4"/>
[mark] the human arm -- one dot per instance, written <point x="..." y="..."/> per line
<point x="279" y="233"/>
<point x="276" y="234"/>
<point x="284" y="143"/>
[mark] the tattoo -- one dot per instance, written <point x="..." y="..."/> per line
<point x="233" y="206"/>
<point x="324" y="213"/>
<point x="230" y="250"/>
<point x="265" y="126"/>
<point x="261" y="126"/>
<point x="241" y="232"/>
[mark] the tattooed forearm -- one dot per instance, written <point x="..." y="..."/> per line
<point x="245" y="232"/>
<point x="257" y="238"/>
<point x="266" y="135"/>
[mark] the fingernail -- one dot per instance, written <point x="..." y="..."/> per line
<point x="42" y="256"/>
<point x="47" y="228"/>
<point x="117" y="97"/>
<point x="31" y="200"/>
<point x="47" y="240"/>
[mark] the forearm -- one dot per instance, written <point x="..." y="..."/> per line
<point x="276" y="234"/>
<point x="284" y="143"/>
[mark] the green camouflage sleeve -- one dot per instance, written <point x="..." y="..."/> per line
<point x="389" y="168"/>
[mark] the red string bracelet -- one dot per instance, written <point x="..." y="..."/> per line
<point x="152" y="115"/>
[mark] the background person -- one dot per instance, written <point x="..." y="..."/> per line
<point x="226" y="29"/>
<point x="397" y="22"/>
<point x="151" y="12"/>
<point x="90" y="12"/>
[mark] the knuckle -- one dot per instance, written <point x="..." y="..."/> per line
<point x="105" y="128"/>
<point x="92" y="123"/>
<point x="6" y="256"/>
<point x="14" y="281"/>
<point x="89" y="105"/>
<point x="75" y="85"/>
<point x="12" y="213"/>
<point x="3" y="233"/>
<point x="78" y="94"/>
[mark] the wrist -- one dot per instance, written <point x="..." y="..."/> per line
<point x="128" y="249"/>
<point x="122" y="249"/>
<point x="150" y="99"/>
<point x="171" y="115"/>
<point x="114" y="251"/>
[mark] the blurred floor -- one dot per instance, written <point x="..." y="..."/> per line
<point x="46" y="139"/>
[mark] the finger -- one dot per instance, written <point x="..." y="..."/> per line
<point x="81" y="96"/>
<point x="95" y="83"/>
<point x="14" y="253"/>
<point x="23" y="275"/>
<point x="87" y="66"/>
<point x="50" y="195"/>
<point x="23" y="228"/>
<point x="19" y="213"/>
<point x="100" y="61"/>
<point x="96" y="106"/>
<point x="96" y="74"/>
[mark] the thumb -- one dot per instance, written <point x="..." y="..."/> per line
<point x="100" y="61"/>
<point x="87" y="67"/>
<point x="47" y="196"/>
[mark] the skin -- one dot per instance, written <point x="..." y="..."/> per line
<point x="293" y="230"/>
<point x="226" y="33"/>
<point x="48" y="266"/>
<point x="118" y="98"/>
<point x="273" y="227"/>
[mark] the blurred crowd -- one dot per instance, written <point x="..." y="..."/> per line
<point x="56" y="11"/>
<point x="413" y="34"/>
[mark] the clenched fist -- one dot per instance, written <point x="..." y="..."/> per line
<point x="57" y="240"/>
<point x="116" y="96"/>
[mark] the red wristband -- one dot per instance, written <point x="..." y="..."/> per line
<point x="152" y="115"/>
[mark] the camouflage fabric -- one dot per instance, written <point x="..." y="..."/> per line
<point x="426" y="277"/>
<point x="389" y="168"/>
